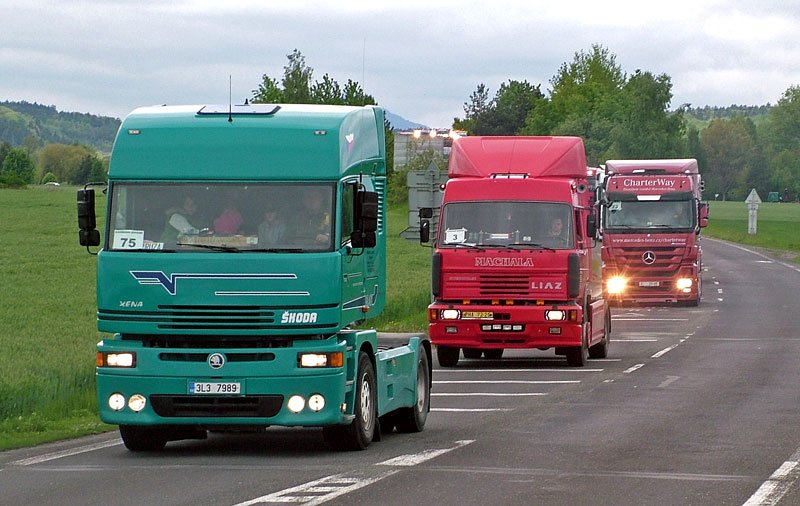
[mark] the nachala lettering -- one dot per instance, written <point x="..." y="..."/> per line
<point x="299" y="317"/>
<point x="502" y="262"/>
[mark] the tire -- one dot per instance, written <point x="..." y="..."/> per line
<point x="143" y="439"/>
<point x="493" y="354"/>
<point x="447" y="355"/>
<point x="358" y="435"/>
<point x="472" y="353"/>
<point x="413" y="418"/>
<point x="577" y="355"/>
<point x="600" y="350"/>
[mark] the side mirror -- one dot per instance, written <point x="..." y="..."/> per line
<point x="591" y="226"/>
<point x="424" y="231"/>
<point x="87" y="221"/>
<point x="365" y="220"/>
<point x="703" y="210"/>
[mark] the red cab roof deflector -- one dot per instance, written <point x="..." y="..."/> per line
<point x="534" y="156"/>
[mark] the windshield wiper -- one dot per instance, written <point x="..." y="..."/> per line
<point x="530" y="245"/>
<point x="278" y="250"/>
<point x="215" y="247"/>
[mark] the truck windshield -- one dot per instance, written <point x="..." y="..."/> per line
<point x="221" y="217"/>
<point x="535" y="225"/>
<point x="661" y="214"/>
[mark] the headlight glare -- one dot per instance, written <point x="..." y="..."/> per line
<point x="616" y="285"/>
<point x="555" y="315"/>
<point x="684" y="283"/>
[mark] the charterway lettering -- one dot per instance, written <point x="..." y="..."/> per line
<point x="502" y="262"/>
<point x="659" y="182"/>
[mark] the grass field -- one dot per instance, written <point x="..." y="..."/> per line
<point x="48" y="315"/>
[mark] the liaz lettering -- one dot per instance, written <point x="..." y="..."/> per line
<point x="298" y="317"/>
<point x="546" y="285"/>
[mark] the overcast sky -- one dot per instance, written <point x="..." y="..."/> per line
<point x="420" y="60"/>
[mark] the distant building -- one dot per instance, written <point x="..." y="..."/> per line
<point x="407" y="143"/>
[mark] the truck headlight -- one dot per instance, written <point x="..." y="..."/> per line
<point x="296" y="404"/>
<point x="451" y="314"/>
<point x="137" y="402"/>
<point x="116" y="401"/>
<point x="316" y="402"/>
<point x="335" y="359"/>
<point x="108" y="359"/>
<point x="615" y="285"/>
<point x="684" y="284"/>
<point x="555" y="315"/>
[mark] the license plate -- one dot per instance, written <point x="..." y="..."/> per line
<point x="477" y="315"/>
<point x="214" y="388"/>
<point x="649" y="283"/>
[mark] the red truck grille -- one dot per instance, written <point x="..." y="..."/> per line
<point x="661" y="259"/>
<point x="503" y="285"/>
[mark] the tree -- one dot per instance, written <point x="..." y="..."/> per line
<point x="268" y="91"/>
<point x="18" y="164"/>
<point x="729" y="149"/>
<point x="644" y="127"/>
<point x="478" y="104"/>
<point x="327" y="91"/>
<point x="297" y="79"/>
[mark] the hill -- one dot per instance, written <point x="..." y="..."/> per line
<point x="45" y="124"/>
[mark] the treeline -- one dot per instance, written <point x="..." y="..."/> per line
<point x="622" y="116"/>
<point x="39" y="144"/>
<point x="32" y="124"/>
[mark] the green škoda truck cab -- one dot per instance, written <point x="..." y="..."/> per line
<point x="241" y="243"/>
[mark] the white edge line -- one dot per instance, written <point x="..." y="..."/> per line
<point x="418" y="458"/>
<point x="65" y="453"/>
<point x="631" y="369"/>
<point x="772" y="491"/>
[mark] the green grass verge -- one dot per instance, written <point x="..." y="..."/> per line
<point x="776" y="226"/>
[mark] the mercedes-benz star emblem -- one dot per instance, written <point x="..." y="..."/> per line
<point x="216" y="360"/>
<point x="648" y="257"/>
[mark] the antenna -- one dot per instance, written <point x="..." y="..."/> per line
<point x="230" y="99"/>
<point x="363" y="66"/>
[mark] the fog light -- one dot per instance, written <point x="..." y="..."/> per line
<point x="296" y="404"/>
<point x="116" y="402"/>
<point x="615" y="285"/>
<point x="137" y="402"/>
<point x="451" y="314"/>
<point x="554" y="315"/>
<point x="451" y="330"/>
<point x="555" y="330"/>
<point x="316" y="402"/>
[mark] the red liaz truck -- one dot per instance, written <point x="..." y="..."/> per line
<point x="512" y="260"/>
<point x="651" y="216"/>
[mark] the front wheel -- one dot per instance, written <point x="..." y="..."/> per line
<point x="600" y="350"/>
<point x="358" y="435"/>
<point x="447" y="355"/>
<point x="412" y="419"/>
<point x="143" y="439"/>
<point x="577" y="355"/>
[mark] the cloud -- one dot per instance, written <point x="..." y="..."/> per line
<point x="421" y="60"/>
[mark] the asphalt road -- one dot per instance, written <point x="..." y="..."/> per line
<point x="693" y="406"/>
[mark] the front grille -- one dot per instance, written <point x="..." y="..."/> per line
<point x="667" y="259"/>
<point x="196" y="317"/>
<point x="503" y="285"/>
<point x="261" y="406"/>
